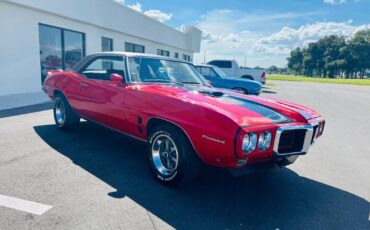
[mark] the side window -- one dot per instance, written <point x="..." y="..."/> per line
<point x="102" y="67"/>
<point x="208" y="72"/>
<point x="219" y="64"/>
<point x="227" y="64"/>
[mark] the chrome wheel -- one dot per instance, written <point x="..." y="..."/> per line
<point x="60" y="111"/>
<point x="165" y="154"/>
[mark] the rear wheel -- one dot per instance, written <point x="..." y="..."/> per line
<point x="64" y="116"/>
<point x="171" y="156"/>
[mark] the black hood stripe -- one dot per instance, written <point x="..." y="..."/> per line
<point x="259" y="108"/>
<point x="256" y="107"/>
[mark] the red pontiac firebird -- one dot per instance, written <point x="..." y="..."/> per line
<point x="185" y="122"/>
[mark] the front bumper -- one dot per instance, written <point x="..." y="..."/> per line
<point x="281" y="153"/>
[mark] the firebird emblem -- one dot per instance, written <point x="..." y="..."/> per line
<point x="213" y="139"/>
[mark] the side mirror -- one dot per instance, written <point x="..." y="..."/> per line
<point x="115" y="77"/>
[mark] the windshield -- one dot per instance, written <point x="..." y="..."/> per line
<point x="219" y="71"/>
<point x="144" y="69"/>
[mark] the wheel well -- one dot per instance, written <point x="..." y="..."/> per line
<point x="241" y="89"/>
<point x="58" y="93"/>
<point x="248" y="77"/>
<point x="155" y="122"/>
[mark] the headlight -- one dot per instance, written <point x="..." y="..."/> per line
<point x="264" y="140"/>
<point x="249" y="143"/>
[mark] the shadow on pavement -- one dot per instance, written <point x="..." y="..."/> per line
<point x="274" y="199"/>
<point x="268" y="90"/>
<point x="25" y="109"/>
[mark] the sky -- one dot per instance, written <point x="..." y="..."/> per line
<point x="258" y="33"/>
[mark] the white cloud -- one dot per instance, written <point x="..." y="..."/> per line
<point x="335" y="2"/>
<point x="158" y="15"/>
<point x="155" y="14"/>
<point x="120" y="1"/>
<point x="227" y="34"/>
<point x="136" y="6"/>
<point x="288" y="38"/>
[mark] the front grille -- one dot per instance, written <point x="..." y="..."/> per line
<point x="291" y="141"/>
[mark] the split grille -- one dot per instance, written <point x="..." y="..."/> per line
<point x="292" y="141"/>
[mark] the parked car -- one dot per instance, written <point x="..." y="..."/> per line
<point x="217" y="78"/>
<point x="231" y="68"/>
<point x="169" y="106"/>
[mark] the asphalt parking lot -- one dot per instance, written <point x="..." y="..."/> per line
<point x="94" y="178"/>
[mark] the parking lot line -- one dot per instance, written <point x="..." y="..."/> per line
<point x="23" y="205"/>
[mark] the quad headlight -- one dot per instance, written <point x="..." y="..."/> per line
<point x="249" y="143"/>
<point x="264" y="141"/>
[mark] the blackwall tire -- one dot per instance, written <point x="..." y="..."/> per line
<point x="183" y="164"/>
<point x="241" y="90"/>
<point x="64" y="116"/>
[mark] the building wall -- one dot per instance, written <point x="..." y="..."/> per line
<point x="19" y="45"/>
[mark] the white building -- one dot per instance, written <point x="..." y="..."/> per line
<point x="38" y="35"/>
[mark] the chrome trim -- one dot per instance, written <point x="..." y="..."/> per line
<point x="146" y="124"/>
<point x="315" y="123"/>
<point x="306" y="143"/>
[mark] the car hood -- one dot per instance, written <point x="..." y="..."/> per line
<point x="243" y="109"/>
<point x="243" y="81"/>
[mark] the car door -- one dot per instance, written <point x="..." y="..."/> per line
<point x="102" y="100"/>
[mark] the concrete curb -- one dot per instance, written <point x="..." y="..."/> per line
<point x="26" y="109"/>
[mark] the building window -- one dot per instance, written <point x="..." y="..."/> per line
<point x="130" y="47"/>
<point x="59" y="48"/>
<point x="106" y="44"/>
<point x="163" y="52"/>
<point x="176" y="55"/>
<point x="186" y="57"/>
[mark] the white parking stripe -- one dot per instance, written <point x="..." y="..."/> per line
<point x="23" y="205"/>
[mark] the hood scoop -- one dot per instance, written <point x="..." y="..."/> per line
<point x="211" y="93"/>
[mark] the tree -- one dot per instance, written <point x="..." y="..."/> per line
<point x="295" y="61"/>
<point x="333" y="56"/>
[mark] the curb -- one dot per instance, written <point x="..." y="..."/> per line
<point x="26" y="109"/>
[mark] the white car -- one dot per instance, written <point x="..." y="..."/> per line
<point x="232" y="69"/>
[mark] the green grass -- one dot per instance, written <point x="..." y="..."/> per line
<point x="365" y="82"/>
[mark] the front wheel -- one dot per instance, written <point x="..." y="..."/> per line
<point x="64" y="116"/>
<point x="171" y="156"/>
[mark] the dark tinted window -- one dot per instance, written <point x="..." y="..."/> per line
<point x="186" y="58"/>
<point x="176" y="55"/>
<point x="221" y="64"/>
<point x="227" y="64"/>
<point x="135" y="48"/>
<point x="73" y="48"/>
<point x="106" y="44"/>
<point x="59" y="48"/>
<point x="50" y="49"/>
<point x="163" y="52"/>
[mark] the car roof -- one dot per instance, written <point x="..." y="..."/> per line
<point x="130" y="54"/>
<point x="204" y="65"/>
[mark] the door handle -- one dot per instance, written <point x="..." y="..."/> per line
<point x="83" y="85"/>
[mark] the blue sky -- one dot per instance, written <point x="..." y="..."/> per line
<point x="259" y="32"/>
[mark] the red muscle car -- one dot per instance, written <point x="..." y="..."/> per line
<point x="185" y="122"/>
